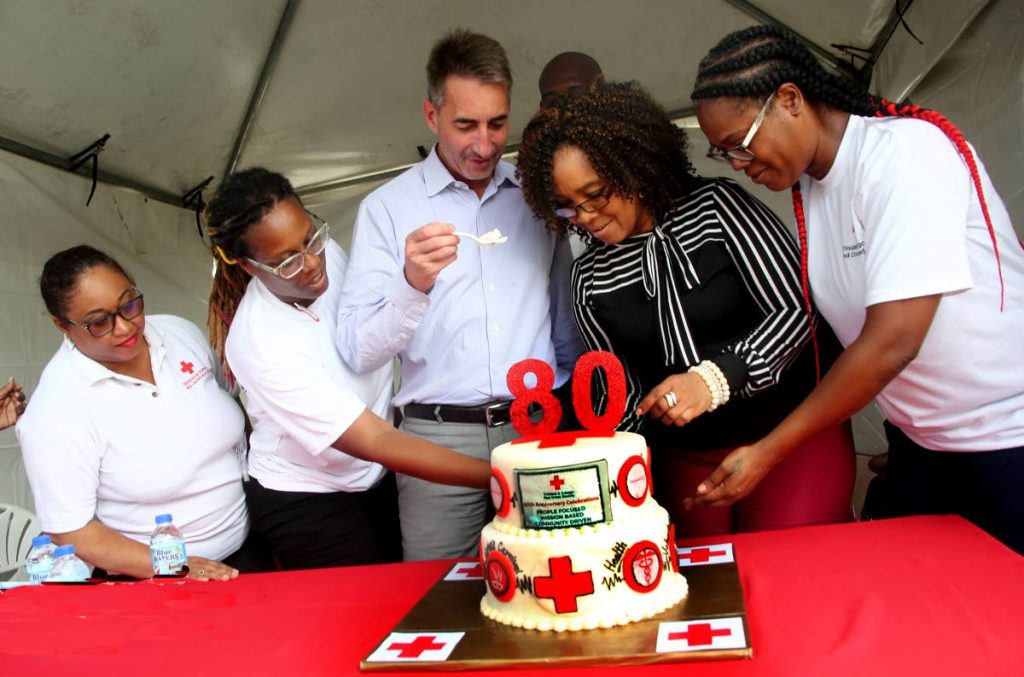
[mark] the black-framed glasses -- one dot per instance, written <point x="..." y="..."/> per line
<point x="594" y="204"/>
<point x="128" y="310"/>
<point x="294" y="264"/>
<point x="741" y="152"/>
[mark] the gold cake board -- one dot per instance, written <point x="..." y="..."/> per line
<point x="445" y="631"/>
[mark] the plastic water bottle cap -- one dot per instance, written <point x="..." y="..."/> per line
<point x="42" y="539"/>
<point x="65" y="550"/>
<point x="163" y="519"/>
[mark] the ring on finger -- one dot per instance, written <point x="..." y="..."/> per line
<point x="670" y="399"/>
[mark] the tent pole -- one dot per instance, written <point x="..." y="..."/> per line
<point x="261" y="84"/>
<point x="106" y="177"/>
<point x="760" y="15"/>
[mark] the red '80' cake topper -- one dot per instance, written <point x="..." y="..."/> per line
<point x="582" y="401"/>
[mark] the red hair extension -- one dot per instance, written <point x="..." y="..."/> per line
<point x="805" y="284"/>
<point x="950" y="130"/>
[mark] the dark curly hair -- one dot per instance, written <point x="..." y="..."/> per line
<point x="628" y="139"/>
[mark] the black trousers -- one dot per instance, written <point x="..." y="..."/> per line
<point x="985" y="487"/>
<point x="306" y="530"/>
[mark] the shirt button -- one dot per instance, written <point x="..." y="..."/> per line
<point x="155" y="394"/>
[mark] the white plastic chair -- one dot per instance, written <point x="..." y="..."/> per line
<point x="18" y="526"/>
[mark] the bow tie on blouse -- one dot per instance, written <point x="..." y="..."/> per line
<point x="667" y="271"/>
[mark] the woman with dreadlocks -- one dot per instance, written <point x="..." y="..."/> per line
<point x="910" y="256"/>
<point x="695" y="286"/>
<point x="319" y="492"/>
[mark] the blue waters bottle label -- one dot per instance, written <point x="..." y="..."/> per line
<point x="168" y="558"/>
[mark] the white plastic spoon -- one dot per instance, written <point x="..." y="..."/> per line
<point x="491" y="238"/>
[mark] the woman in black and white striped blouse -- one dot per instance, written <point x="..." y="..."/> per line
<point x="694" y="285"/>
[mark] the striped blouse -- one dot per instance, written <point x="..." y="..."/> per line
<point x="717" y="279"/>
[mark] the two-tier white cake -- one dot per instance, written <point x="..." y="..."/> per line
<point x="577" y="542"/>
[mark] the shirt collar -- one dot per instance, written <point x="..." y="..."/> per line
<point x="281" y="307"/>
<point x="436" y="176"/>
<point x="92" y="372"/>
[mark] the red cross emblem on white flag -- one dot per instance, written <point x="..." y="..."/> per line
<point x="415" y="647"/>
<point x="702" y="635"/>
<point x="699" y="555"/>
<point x="466" y="571"/>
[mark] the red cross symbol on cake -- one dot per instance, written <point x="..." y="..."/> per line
<point x="416" y="647"/>
<point x="564" y="586"/>
<point x="698" y="555"/>
<point x="702" y="635"/>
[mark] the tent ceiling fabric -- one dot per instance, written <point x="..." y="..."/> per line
<point x="171" y="82"/>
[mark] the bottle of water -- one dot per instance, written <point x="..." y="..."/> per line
<point x="40" y="558"/>
<point x="67" y="568"/>
<point x="167" y="548"/>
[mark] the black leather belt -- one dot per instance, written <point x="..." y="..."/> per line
<point x="491" y="415"/>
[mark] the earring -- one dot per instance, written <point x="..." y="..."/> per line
<point x="68" y="343"/>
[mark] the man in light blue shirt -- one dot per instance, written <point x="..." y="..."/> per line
<point x="456" y="314"/>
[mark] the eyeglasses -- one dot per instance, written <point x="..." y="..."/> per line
<point x="128" y="310"/>
<point x="294" y="264"/>
<point x="741" y="152"/>
<point x="594" y="204"/>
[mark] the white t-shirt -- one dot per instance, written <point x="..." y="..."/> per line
<point x="896" y="218"/>
<point x="99" y="444"/>
<point x="299" y="394"/>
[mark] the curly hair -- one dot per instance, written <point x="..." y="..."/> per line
<point x="626" y="136"/>
<point x="241" y="201"/>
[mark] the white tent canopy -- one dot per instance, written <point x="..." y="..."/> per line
<point x="329" y="93"/>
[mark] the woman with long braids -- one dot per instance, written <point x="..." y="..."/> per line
<point x="909" y="254"/>
<point x="695" y="286"/>
<point x="319" y="492"/>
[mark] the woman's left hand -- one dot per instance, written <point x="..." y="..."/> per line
<point x="210" y="570"/>
<point x="677" y="400"/>
<point x="736" y="476"/>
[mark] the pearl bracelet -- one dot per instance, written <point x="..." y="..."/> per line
<point x="715" y="381"/>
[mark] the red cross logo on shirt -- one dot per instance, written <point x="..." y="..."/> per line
<point x="186" y="367"/>
<point x="563" y="585"/>
<point x="698" y="555"/>
<point x="556" y="482"/>
<point x="699" y="634"/>
<point x="416" y="647"/>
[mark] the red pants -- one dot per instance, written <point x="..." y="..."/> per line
<point x="814" y="485"/>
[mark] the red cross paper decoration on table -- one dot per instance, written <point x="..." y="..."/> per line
<point x="698" y="555"/>
<point x="415" y="647"/>
<point x="702" y="635"/>
<point x="466" y="571"/>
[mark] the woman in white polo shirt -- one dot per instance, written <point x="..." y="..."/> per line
<point x="129" y="422"/>
<point x="911" y="257"/>
<point x="319" y="494"/>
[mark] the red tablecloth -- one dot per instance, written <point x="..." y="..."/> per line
<point x="915" y="596"/>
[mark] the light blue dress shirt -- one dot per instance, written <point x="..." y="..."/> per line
<point x="489" y="309"/>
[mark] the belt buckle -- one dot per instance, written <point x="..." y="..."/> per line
<point x="488" y="414"/>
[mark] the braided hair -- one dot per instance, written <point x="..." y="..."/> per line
<point x="241" y="201"/>
<point x="626" y="136"/>
<point x="752" y="63"/>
